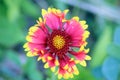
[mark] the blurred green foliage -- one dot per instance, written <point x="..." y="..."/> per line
<point x="16" y="16"/>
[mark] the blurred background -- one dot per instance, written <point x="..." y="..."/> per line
<point x="102" y="16"/>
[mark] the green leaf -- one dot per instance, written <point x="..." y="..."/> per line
<point x="30" y="65"/>
<point x="84" y="74"/>
<point x="114" y="51"/>
<point x="60" y="5"/>
<point x="99" y="51"/>
<point x="112" y="2"/>
<point x="30" y="8"/>
<point x="50" y="75"/>
<point x="13" y="3"/>
<point x="36" y="75"/>
<point x="2" y="10"/>
<point x="10" y="34"/>
<point x="13" y="14"/>
<point x="2" y="55"/>
<point x="13" y="9"/>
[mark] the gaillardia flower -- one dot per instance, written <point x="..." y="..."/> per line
<point x="59" y="42"/>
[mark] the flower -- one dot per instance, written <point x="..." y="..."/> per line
<point x="58" y="42"/>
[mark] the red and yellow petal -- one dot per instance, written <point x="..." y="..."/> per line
<point x="37" y="45"/>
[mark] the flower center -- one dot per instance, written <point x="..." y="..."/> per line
<point x="58" y="42"/>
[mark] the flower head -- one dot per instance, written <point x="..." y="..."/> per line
<point x="54" y="40"/>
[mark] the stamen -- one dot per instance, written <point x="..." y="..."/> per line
<point x="58" y="41"/>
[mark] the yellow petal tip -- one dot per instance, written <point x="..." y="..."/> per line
<point x="44" y="12"/>
<point x="46" y="65"/>
<point x="59" y="76"/>
<point x="87" y="57"/>
<point x="53" y="69"/>
<point x="30" y="54"/>
<point x="39" y="58"/>
<point x="83" y="63"/>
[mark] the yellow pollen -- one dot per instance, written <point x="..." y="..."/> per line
<point x="58" y="41"/>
